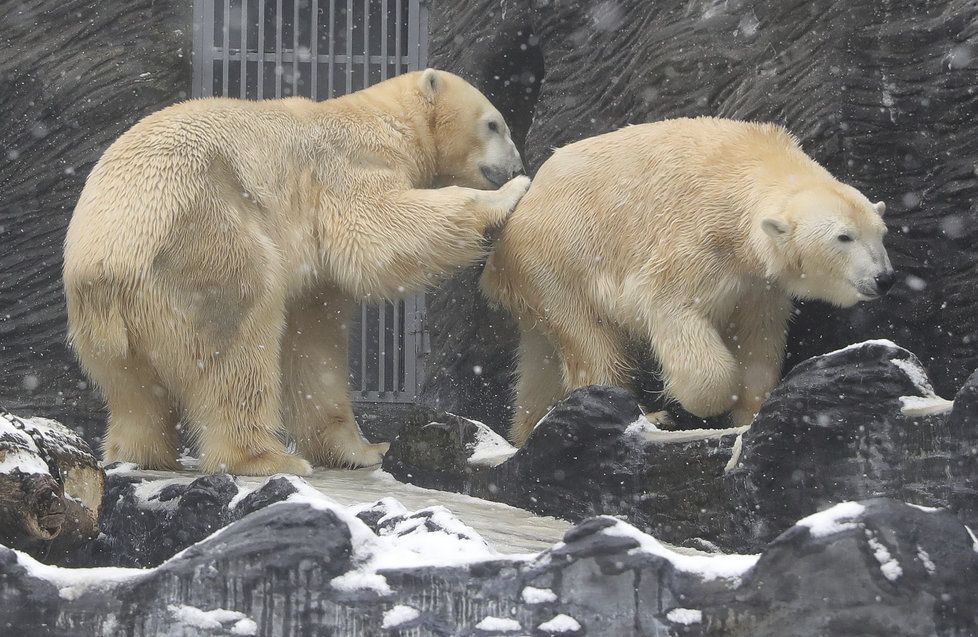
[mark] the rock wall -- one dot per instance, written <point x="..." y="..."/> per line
<point x="74" y="75"/>
<point x="880" y="93"/>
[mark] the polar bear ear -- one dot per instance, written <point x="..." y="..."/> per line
<point x="880" y="207"/>
<point x="429" y="82"/>
<point x="775" y="228"/>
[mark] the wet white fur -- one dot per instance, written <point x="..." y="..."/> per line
<point x="692" y="235"/>
<point x="219" y="246"/>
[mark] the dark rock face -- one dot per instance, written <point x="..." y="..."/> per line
<point x="75" y="75"/>
<point x="882" y="567"/>
<point x="883" y="110"/>
<point x="858" y="423"/>
<point x="835" y="429"/>
<point x="593" y="454"/>
<point x="145" y="523"/>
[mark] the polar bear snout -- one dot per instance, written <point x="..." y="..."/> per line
<point x="884" y="281"/>
<point x="498" y="176"/>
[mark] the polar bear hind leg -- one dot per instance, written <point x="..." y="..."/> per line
<point x="142" y="425"/>
<point x="316" y="399"/>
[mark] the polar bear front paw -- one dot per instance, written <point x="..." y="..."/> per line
<point x="269" y="463"/>
<point x="505" y="199"/>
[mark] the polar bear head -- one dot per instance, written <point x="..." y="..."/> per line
<point x="471" y="138"/>
<point x="828" y="239"/>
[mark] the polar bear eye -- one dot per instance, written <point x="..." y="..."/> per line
<point x="844" y="238"/>
<point x="494" y="127"/>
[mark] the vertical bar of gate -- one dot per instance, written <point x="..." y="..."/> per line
<point x="207" y="85"/>
<point x="332" y="48"/>
<point x="225" y="54"/>
<point x="382" y="347"/>
<point x="197" y="55"/>
<point x="278" y="48"/>
<point x="396" y="344"/>
<point x="412" y="43"/>
<point x="384" y="60"/>
<point x="423" y="35"/>
<point x="261" y="49"/>
<point x="349" y="46"/>
<point x="295" y="47"/>
<point x="363" y="347"/>
<point x="411" y="346"/>
<point x="314" y="51"/>
<point x="244" y="49"/>
<point x="366" y="43"/>
<point x="398" y="44"/>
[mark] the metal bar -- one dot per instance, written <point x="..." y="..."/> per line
<point x="382" y="347"/>
<point x="413" y="20"/>
<point x="226" y="32"/>
<point x="244" y="49"/>
<point x="366" y="43"/>
<point x="197" y="55"/>
<point x="278" y="48"/>
<point x="295" y="47"/>
<point x="314" y="51"/>
<point x="349" y="45"/>
<point x="411" y="348"/>
<point x="423" y="35"/>
<point x="332" y="38"/>
<point x="395" y="354"/>
<point x="207" y="86"/>
<point x="363" y="347"/>
<point x="399" y="20"/>
<point x="383" y="42"/>
<point x="261" y="49"/>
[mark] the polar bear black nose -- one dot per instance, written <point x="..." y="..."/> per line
<point x="885" y="281"/>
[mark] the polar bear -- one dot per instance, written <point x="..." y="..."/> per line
<point x="693" y="235"/>
<point x="219" y="246"/>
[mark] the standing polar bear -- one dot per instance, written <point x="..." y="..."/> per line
<point x="219" y="247"/>
<point x="693" y="235"/>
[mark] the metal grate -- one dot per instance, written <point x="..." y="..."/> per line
<point x="264" y="49"/>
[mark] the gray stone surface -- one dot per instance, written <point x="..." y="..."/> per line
<point x="878" y="567"/>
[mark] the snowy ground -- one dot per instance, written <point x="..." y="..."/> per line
<point x="506" y="528"/>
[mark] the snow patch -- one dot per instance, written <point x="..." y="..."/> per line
<point x="974" y="540"/>
<point x="560" y="624"/>
<point x="885" y="342"/>
<point x="23" y="461"/>
<point x="685" y="616"/>
<point x="925" y="560"/>
<point x="707" y="567"/>
<point x="399" y="615"/>
<point x="533" y="595"/>
<point x="122" y="467"/>
<point x="641" y="427"/>
<point x="834" y="520"/>
<point x="490" y="448"/>
<point x="214" y="619"/>
<point x="360" y="581"/>
<point x="74" y="582"/>
<point x="147" y="494"/>
<point x="499" y="625"/>
<point x="923" y="508"/>
<point x="919" y="406"/>
<point x="738" y="447"/>
<point x="915" y="373"/>
<point x="888" y="565"/>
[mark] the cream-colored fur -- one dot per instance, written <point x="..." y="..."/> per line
<point x="693" y="235"/>
<point x="219" y="247"/>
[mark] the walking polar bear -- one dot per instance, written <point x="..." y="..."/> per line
<point x="693" y="235"/>
<point x="219" y="245"/>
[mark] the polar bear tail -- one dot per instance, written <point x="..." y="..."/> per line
<point x="95" y="322"/>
